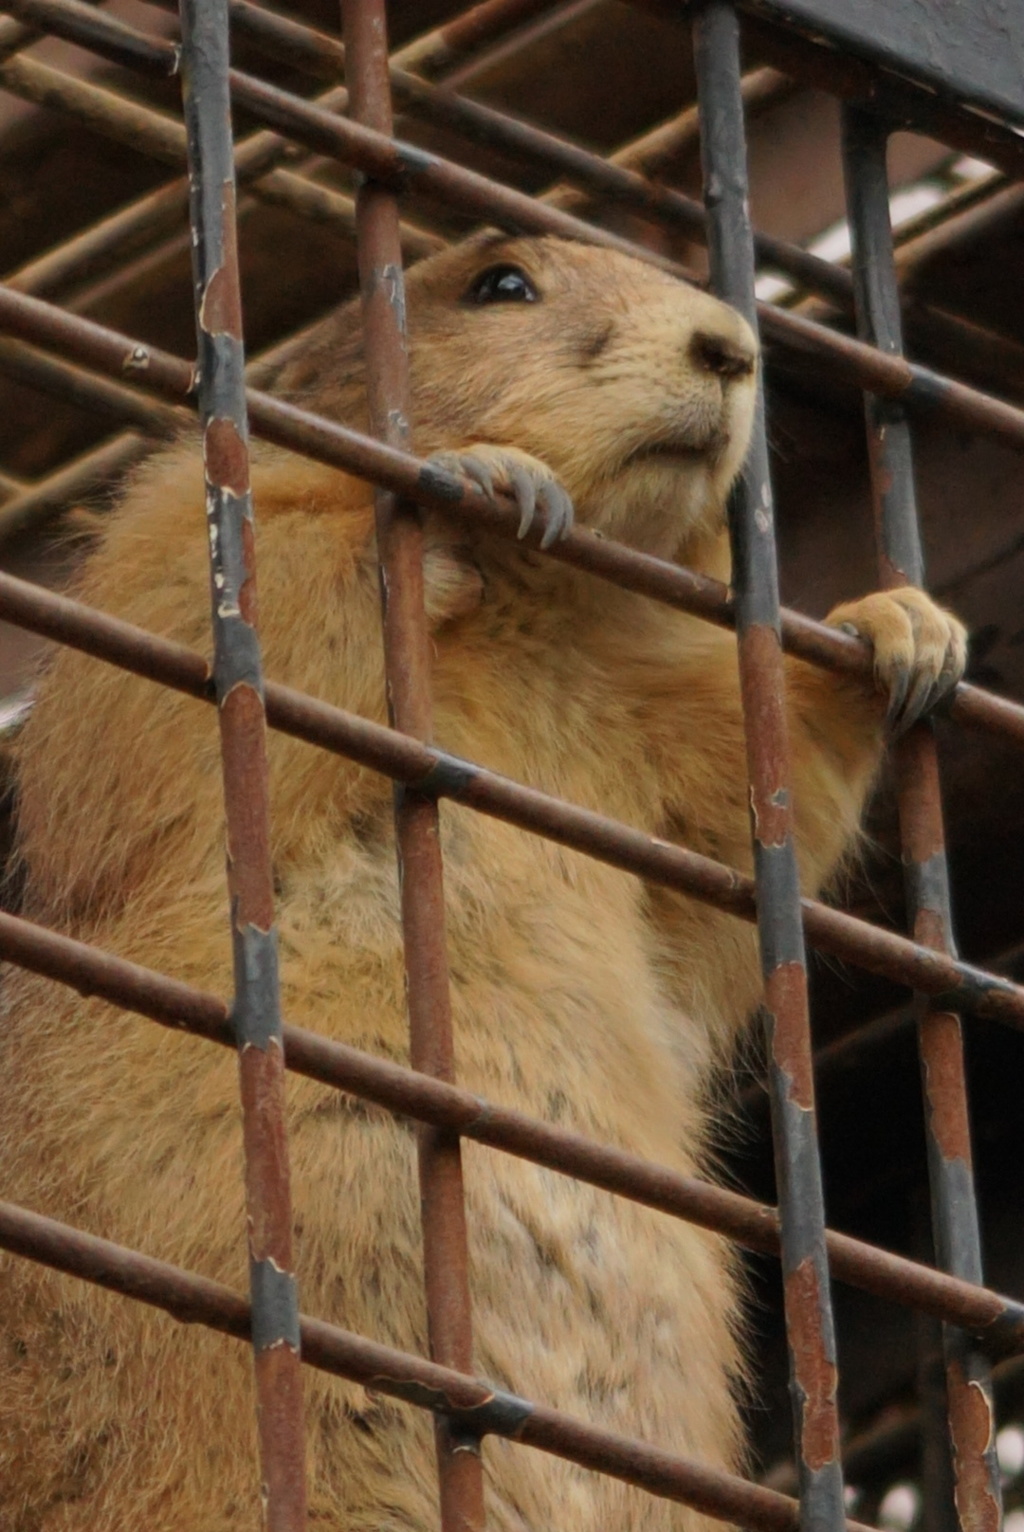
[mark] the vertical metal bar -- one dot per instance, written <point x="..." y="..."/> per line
<point x="407" y="660"/>
<point x="239" y="682"/>
<point x="926" y="875"/>
<point x="809" y="1328"/>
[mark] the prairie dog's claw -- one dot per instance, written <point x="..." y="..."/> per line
<point x="529" y="481"/>
<point x="920" y="649"/>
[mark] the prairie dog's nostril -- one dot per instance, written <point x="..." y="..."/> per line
<point x="722" y="355"/>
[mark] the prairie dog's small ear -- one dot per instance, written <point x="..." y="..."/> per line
<point x="453" y="586"/>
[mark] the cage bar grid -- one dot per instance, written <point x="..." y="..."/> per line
<point x="466" y="1409"/>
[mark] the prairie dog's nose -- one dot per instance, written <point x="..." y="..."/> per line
<point x="727" y="355"/>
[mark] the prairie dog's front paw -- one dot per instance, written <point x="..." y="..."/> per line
<point x="453" y="585"/>
<point x="529" y="481"/>
<point x="920" y="649"/>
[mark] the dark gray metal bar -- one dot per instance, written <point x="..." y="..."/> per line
<point x="417" y="829"/>
<point x="238" y="678"/>
<point x="809" y="1327"/>
<point x="954" y="1206"/>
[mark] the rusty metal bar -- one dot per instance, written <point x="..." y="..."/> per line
<point x="654" y="151"/>
<point x="473" y="1406"/>
<point x="407" y="663"/>
<point x="808" y="346"/>
<point x="87" y="391"/>
<point x="996" y="1320"/>
<point x="238" y="680"/>
<point x="810" y="1332"/>
<point x="101" y="111"/>
<point x="329" y="442"/>
<point x="955" y="1225"/>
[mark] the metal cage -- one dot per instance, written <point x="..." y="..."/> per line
<point x="887" y="78"/>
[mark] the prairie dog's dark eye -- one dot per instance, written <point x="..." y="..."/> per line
<point x="502" y="284"/>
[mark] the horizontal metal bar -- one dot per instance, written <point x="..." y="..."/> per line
<point x="102" y="111"/>
<point x="89" y="392"/>
<point x="34" y="505"/>
<point x="470" y="1402"/>
<point x="172" y="377"/>
<point x="806" y="345"/>
<point x="434" y="771"/>
<point x="997" y="1320"/>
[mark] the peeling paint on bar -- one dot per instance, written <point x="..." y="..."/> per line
<point x="238" y="680"/>
<point x="926" y="877"/>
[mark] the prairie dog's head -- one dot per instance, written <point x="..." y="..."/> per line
<point x="636" y="389"/>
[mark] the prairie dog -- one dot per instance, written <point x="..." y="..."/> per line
<point x="579" y="994"/>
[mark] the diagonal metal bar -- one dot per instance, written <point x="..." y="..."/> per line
<point x="238" y="680"/>
<point x="998" y="1322"/>
<point x="417" y="828"/>
<point x="429" y="769"/>
<point x="473" y="1406"/>
<point x="954" y="1206"/>
<point x="329" y="442"/>
<point x="810" y="1332"/>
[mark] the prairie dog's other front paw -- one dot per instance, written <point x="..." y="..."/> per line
<point x="453" y="585"/>
<point x="920" y="649"/>
<point x="529" y="481"/>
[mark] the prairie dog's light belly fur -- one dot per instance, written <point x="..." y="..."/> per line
<point x="579" y="994"/>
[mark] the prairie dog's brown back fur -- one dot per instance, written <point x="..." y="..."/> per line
<point x="578" y="994"/>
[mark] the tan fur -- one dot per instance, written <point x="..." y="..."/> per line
<point x="579" y="995"/>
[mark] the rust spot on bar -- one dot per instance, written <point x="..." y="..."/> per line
<point x="279" y="1381"/>
<point x="971" y="1421"/>
<point x="248" y="605"/>
<point x="815" y="1375"/>
<point x="786" y="998"/>
<point x="266" y="1153"/>
<point x="929" y="930"/>
<point x="242" y="745"/>
<point x="226" y="457"/>
<point x="920" y="795"/>
<point x="220" y="312"/>
<point x="943" y="1065"/>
